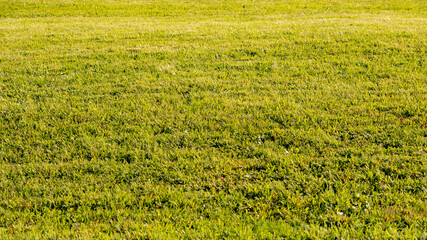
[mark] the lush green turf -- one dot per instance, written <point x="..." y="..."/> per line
<point x="213" y="119"/>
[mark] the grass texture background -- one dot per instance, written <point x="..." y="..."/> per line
<point x="213" y="119"/>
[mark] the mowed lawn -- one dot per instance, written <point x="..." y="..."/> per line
<point x="241" y="119"/>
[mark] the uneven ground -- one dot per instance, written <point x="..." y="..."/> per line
<point x="213" y="119"/>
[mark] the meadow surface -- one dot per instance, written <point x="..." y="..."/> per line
<point x="241" y="119"/>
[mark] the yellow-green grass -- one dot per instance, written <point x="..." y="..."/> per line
<point x="213" y="119"/>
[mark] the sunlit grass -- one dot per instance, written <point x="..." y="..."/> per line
<point x="213" y="119"/>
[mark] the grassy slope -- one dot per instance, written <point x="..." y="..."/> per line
<point x="210" y="119"/>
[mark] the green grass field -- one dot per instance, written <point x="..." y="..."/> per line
<point x="242" y="119"/>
